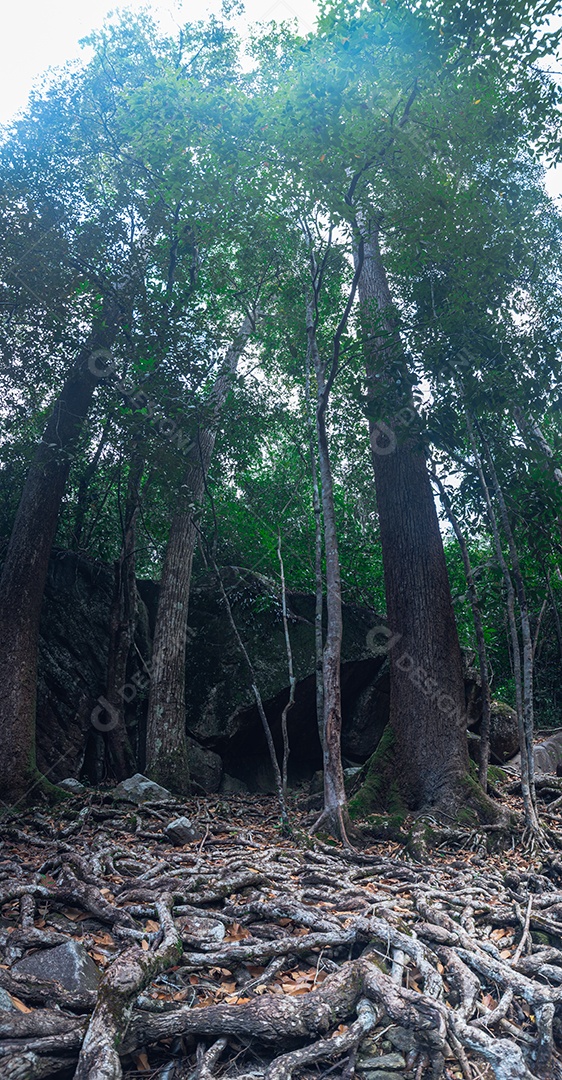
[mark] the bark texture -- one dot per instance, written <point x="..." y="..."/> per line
<point x="166" y="745"/>
<point x="427" y="705"/>
<point x="27" y="559"/>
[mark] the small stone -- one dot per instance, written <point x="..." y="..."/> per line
<point x="383" y="1061"/>
<point x="181" y="831"/>
<point x="372" y="1073"/>
<point x="6" y="1003"/>
<point x="370" y="1058"/>
<point x="72" y="785"/>
<point x="69" y="964"/>
<point x="401" y="1038"/>
<point x="139" y="789"/>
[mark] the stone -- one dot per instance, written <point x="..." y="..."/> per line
<point x="6" y="1003"/>
<point x="68" y="964"/>
<point x="205" y="767"/>
<point x="139" y="789"/>
<point x="231" y="785"/>
<point x="504" y="735"/>
<point x="373" y="1062"/>
<point x="181" y="831"/>
<point x="401" y="1038"/>
<point x="370" y="1070"/>
<point x="548" y="755"/>
<point x="72" y="785"/>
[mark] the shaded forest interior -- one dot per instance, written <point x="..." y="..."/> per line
<point x="280" y="544"/>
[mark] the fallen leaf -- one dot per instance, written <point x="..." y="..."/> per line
<point x="141" y="1061"/>
<point x="20" y="1005"/>
<point x="145" y="945"/>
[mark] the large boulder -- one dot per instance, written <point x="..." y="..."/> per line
<point x="224" y="728"/>
<point x="221" y="710"/>
<point x="68" y="964"/>
<point x="504" y="733"/>
<point x="139" y="789"/>
<point x="73" y="648"/>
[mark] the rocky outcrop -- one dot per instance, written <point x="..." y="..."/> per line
<point x="225" y="733"/>
<point x="226" y="742"/>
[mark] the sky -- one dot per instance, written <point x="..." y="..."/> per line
<point x="42" y="34"/>
<point x="39" y="34"/>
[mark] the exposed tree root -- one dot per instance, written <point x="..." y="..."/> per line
<point x="297" y="960"/>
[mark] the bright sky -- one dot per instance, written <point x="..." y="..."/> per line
<point x="40" y="34"/>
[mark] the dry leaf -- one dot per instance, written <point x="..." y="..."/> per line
<point x="20" y="1005"/>
<point x="145" y="945"/>
<point x="151" y="926"/>
<point x="103" y="939"/>
<point x="99" y="957"/>
<point x="141" y="1061"/>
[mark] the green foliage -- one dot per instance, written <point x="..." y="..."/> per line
<point x="191" y="186"/>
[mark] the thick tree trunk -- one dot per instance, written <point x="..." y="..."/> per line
<point x="26" y="564"/>
<point x="427" y="698"/>
<point x="166" y="744"/>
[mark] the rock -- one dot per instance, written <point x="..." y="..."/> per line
<point x="369" y="1062"/>
<point x="181" y="831"/>
<point x="548" y="755"/>
<point x="350" y="775"/>
<point x="69" y="964"/>
<point x="370" y="1070"/>
<point x="73" y="652"/>
<point x="72" y="785"/>
<point x="205" y="767"/>
<point x="401" y="1038"/>
<point x="139" y="789"/>
<point x="194" y="930"/>
<point x="6" y="1003"/>
<point x="504" y="736"/>
<point x="230" y="785"/>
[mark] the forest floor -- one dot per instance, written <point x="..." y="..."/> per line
<point x="248" y="954"/>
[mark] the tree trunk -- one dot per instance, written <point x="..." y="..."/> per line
<point x="427" y="697"/>
<point x="526" y="748"/>
<point x="84" y="489"/>
<point x="122" y="628"/>
<point x="484" y="755"/>
<point x="27" y="560"/>
<point x="318" y="578"/>
<point x="526" y="636"/>
<point x="166" y="743"/>
<point x="334" y="816"/>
